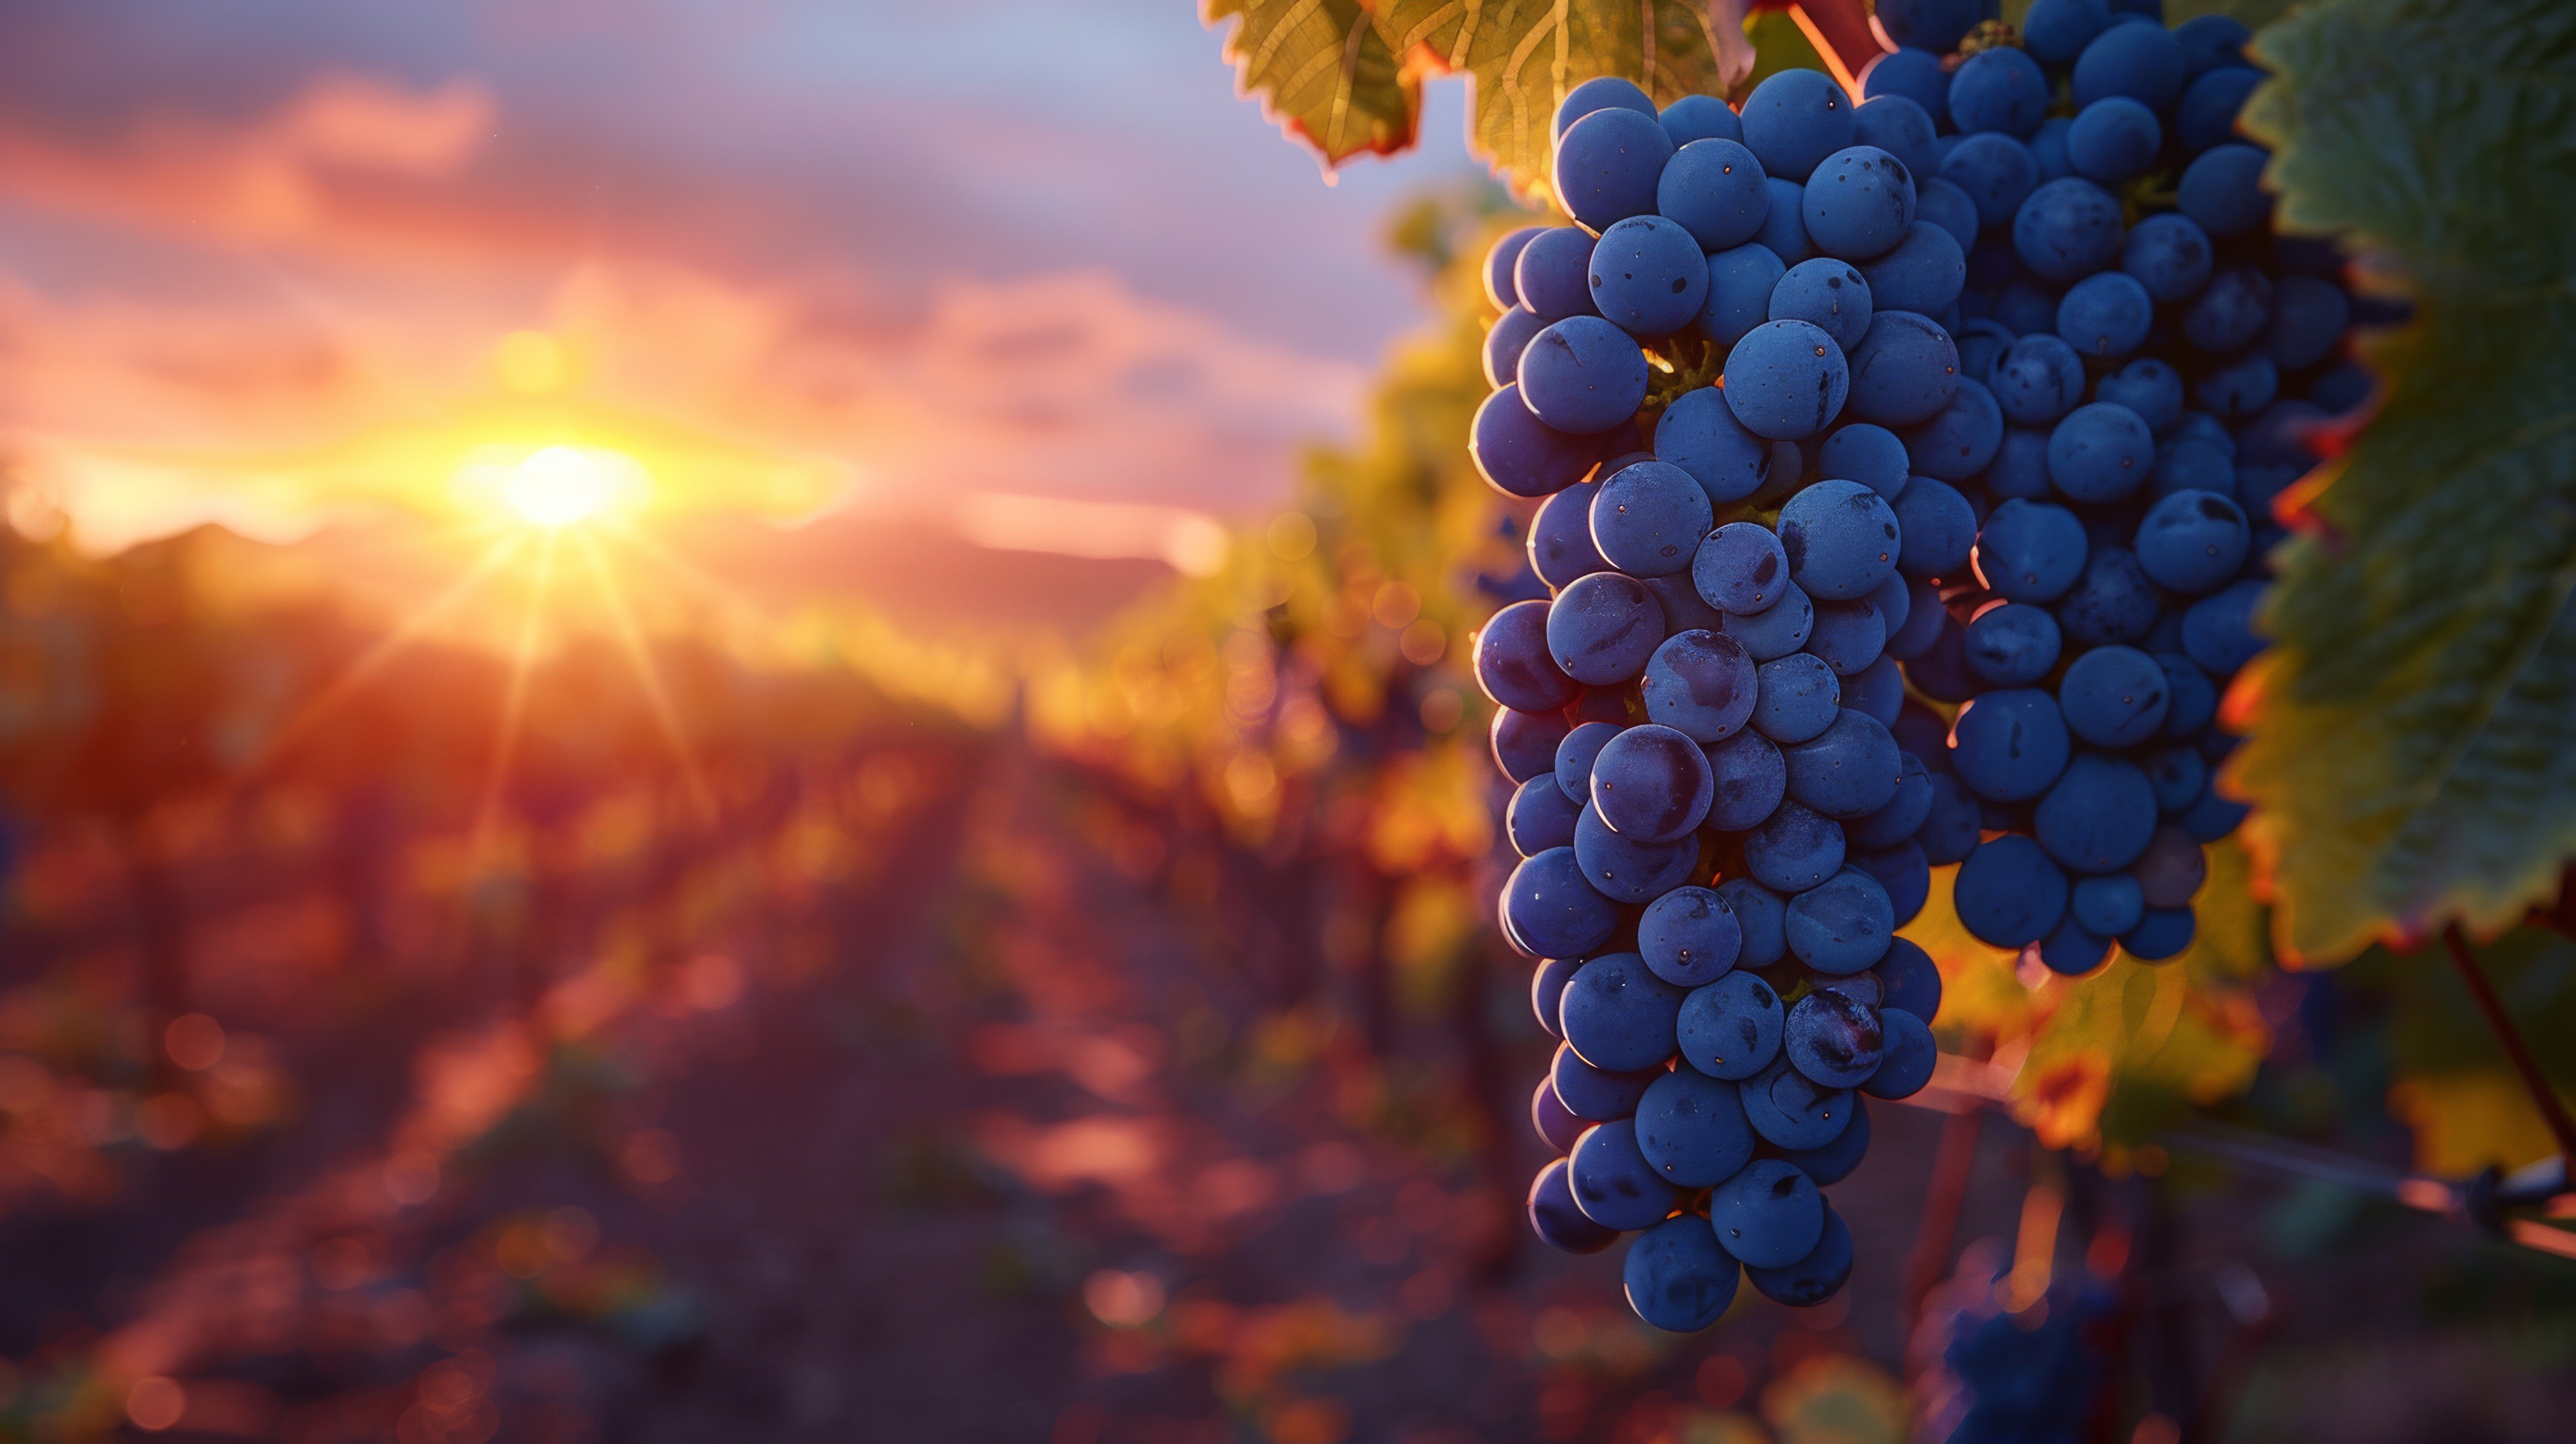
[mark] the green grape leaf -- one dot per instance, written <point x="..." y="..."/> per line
<point x="1323" y="71"/>
<point x="1522" y="56"/>
<point x="2414" y="753"/>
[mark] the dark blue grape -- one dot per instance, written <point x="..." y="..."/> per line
<point x="1560" y="536"/>
<point x="2148" y="387"/>
<point x="2218" y="630"/>
<point x="2038" y="379"/>
<point x="1960" y="439"/>
<point x="1649" y="517"/>
<point x="2112" y="602"/>
<point x="2214" y="817"/>
<point x="1699" y="434"/>
<point x="1827" y="294"/>
<point x="2309" y="318"/>
<point x="2180" y="776"/>
<point x="1652" y="784"/>
<point x="1904" y="873"/>
<point x="2067" y="229"/>
<point x="2100" y="453"/>
<point x="1849" y="770"/>
<point x="1876" y="691"/>
<point x="2206" y="114"/>
<point x="1512" y="662"/>
<point x="1904" y="812"/>
<point x="1903" y="129"/>
<point x="1793" y="850"/>
<point x="1500" y="288"/>
<point x="1776" y="630"/>
<point x="2013" y="644"/>
<point x="2026" y="307"/>
<point x="2009" y="745"/>
<point x="1602" y="628"/>
<point x="1841" y="925"/>
<point x="1741" y="568"/>
<point x="1684" y="609"/>
<point x="2113" y="696"/>
<point x="1926" y="270"/>
<point x="1618" y="1015"/>
<point x="1556" y="1127"/>
<point x="1793" y="1111"/>
<point x="1795" y="119"/>
<point x="1908" y="1056"/>
<point x="1870" y="455"/>
<point x="2239" y="387"/>
<point x="1520" y="455"/>
<point x="1840" y="538"/>
<point x="2141" y="62"/>
<point x="1607" y="164"/>
<point x="1996" y="172"/>
<point x="1554" y="273"/>
<point x="1649" y="276"/>
<point x="1676" y="1276"/>
<point x="1763" y="916"/>
<point x="1504" y="343"/>
<point x="1924" y="619"/>
<point x="1691" y="1126"/>
<point x="2108" y="905"/>
<point x="1858" y="203"/>
<point x="2030" y="551"/>
<point x="1625" y="870"/>
<point x="2106" y="316"/>
<point x="1715" y="190"/>
<point x="1835" y="1161"/>
<point x="1786" y="380"/>
<point x="1768" y="1214"/>
<point x="1540" y="817"/>
<point x="2222" y="190"/>
<point x="2009" y="892"/>
<point x="1554" y="1217"/>
<point x="1934" y="25"/>
<point x="1950" y="833"/>
<point x="1700" y="117"/>
<point x="1998" y="90"/>
<point x="2163" y="934"/>
<point x="2056" y="31"/>
<point x="2212" y="42"/>
<point x="1613" y="1183"/>
<point x="2193" y="541"/>
<point x="1913" y="73"/>
<point x="1582" y="376"/>
<point x="1908" y="980"/>
<point x="2230" y="312"/>
<point x="1905" y="370"/>
<point x="1608" y="92"/>
<point x="1730" y="1028"/>
<point x="1701" y="684"/>
<point x="1552" y="910"/>
<point x="2099" y="815"/>
<point x="2073" y="951"/>
<point x="2168" y="254"/>
<point x="1798" y="697"/>
<point x="1689" y="937"/>
<point x="1831" y="1038"/>
<point x="1816" y="1277"/>
<point x="1588" y="1092"/>
<point x="1750" y="778"/>
<point x="1942" y="202"/>
<point x="1547" y="988"/>
<point x="1848" y="636"/>
<point x="1524" y="743"/>
<point x="1575" y="756"/>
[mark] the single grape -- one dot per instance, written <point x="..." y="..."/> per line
<point x="2143" y="63"/>
<point x="1793" y="1111"/>
<point x="1858" y="203"/>
<point x="1601" y="629"/>
<point x="1943" y="202"/>
<point x="1924" y="273"/>
<point x="1904" y="371"/>
<point x="1553" y="910"/>
<point x="1553" y="275"/>
<point x="2106" y="316"/>
<point x="1840" y="538"/>
<point x="1870" y="455"/>
<point x="1795" y="119"/>
<point x="1555" y="1126"/>
<point x="2038" y="379"/>
<point x="2180" y="776"/>
<point x="1840" y="926"/>
<point x="2098" y="816"/>
<point x="1625" y="870"/>
<point x="1652" y="784"/>
<point x="1555" y="1218"/>
<point x="1776" y="630"/>
<point x="1814" y="1278"/>
<point x="2056" y="31"/>
<point x="2030" y="551"/>
<point x="1618" y="1015"/>
<point x="2113" y="601"/>
<point x="1961" y="439"/>
<point x="2113" y="696"/>
<point x="1996" y="172"/>
<point x="1998" y="90"/>
<point x="1547" y="989"/>
<point x="2231" y="312"/>
<point x="1701" y="117"/>
<point x="1797" y="697"/>
<point x="1608" y="92"/>
<point x="1913" y="73"/>
<point x="1785" y="380"/>
<point x="2013" y="644"/>
<point x="2212" y="42"/>
<point x="2072" y="950"/>
<point x="1827" y="294"/>
<point x="1512" y="662"/>
<point x="1908" y="980"/>
<point x="2162" y="934"/>
<point x="1741" y="568"/>
<point x="2309" y="318"/>
<point x="2009" y="745"/>
<point x="1903" y="813"/>
<point x="1575" y="756"/>
<point x="1649" y="517"/>
<point x="1700" y="434"/>
<point x="2114" y="140"/>
<point x="2009" y="892"/>
<point x="1701" y="684"/>
<point x="1524" y="743"/>
<point x="2240" y="387"/>
<point x="1907" y="1056"/>
<point x="1676" y="1276"/>
<point x="1715" y="190"/>
<point x="2150" y="388"/>
<point x="1849" y="770"/>
<point x="1518" y="454"/>
<point x="2218" y="630"/>
<point x="1768" y="1214"/>
<point x="1692" y="1127"/>
<point x="1792" y="850"/>
<point x="1607" y="164"/>
<point x="2193" y="541"/>
<point x="2222" y="190"/>
<point x="2108" y="905"/>
<point x="2067" y="229"/>
<point x="1783" y="234"/>
<point x="1613" y="1183"/>
<point x="1649" y="276"/>
<point x="1582" y="375"/>
<point x="1878" y="690"/>
<point x="1689" y="937"/>
<point x="1590" y="1093"/>
<point x="1540" y="817"/>
<point x="1903" y="129"/>
<point x="1751" y="779"/>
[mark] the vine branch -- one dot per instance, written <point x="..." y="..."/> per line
<point x="2553" y="1109"/>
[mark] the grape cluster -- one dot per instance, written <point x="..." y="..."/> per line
<point x="2139" y="362"/>
<point x="1718" y="827"/>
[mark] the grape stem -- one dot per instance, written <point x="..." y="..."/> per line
<point x="2553" y="1109"/>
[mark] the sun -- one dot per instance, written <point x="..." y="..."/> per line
<point x="559" y="486"/>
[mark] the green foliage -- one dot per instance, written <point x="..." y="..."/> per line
<point x="1323" y="71"/>
<point x="1341" y="75"/>
<point x="2415" y="753"/>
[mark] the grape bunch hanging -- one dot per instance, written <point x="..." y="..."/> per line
<point x="1810" y="391"/>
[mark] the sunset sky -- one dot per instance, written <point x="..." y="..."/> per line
<point x="257" y="262"/>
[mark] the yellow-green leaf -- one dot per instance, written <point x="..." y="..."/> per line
<point x="1522" y="56"/>
<point x="2414" y="759"/>
<point x="1323" y="72"/>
